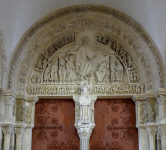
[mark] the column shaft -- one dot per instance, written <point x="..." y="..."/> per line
<point x="6" y="145"/>
<point x="84" y="144"/>
<point x="27" y="139"/>
<point x="143" y="139"/>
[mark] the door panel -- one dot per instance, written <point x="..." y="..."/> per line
<point x="115" y="126"/>
<point x="54" y="126"/>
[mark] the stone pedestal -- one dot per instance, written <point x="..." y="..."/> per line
<point x="7" y="131"/>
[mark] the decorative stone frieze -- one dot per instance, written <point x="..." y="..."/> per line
<point x="151" y="129"/>
<point x="7" y="131"/>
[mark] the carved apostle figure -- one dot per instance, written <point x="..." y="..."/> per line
<point x="119" y="70"/>
<point x="62" y="69"/>
<point x="102" y="73"/>
<point x="54" y="70"/>
<point x="71" y="76"/>
<point x="112" y="68"/>
<point x="47" y="73"/>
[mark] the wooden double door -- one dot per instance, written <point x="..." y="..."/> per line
<point x="115" y="126"/>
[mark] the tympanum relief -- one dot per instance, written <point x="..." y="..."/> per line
<point x="97" y="59"/>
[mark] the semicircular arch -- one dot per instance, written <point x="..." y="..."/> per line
<point x="137" y="59"/>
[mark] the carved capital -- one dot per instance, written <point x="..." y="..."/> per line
<point x="9" y="100"/>
<point x="19" y="131"/>
<point x="152" y="131"/>
<point x="161" y="100"/>
<point x="7" y="130"/>
<point x="162" y="132"/>
<point x="84" y="131"/>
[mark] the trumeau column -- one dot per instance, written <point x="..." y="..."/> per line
<point x="140" y="120"/>
<point x="19" y="131"/>
<point x="28" y="119"/>
<point x="84" y="116"/>
<point x="7" y="131"/>
<point x="152" y="131"/>
<point x="9" y="100"/>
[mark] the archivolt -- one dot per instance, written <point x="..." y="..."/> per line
<point x="50" y="29"/>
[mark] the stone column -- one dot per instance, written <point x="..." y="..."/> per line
<point x="158" y="139"/>
<point x="29" y="113"/>
<point x="9" y="100"/>
<point x="162" y="133"/>
<point x="142" y="134"/>
<point x="161" y="99"/>
<point x="7" y="131"/>
<point x="152" y="131"/>
<point x="0" y="136"/>
<point x="12" y="141"/>
<point x="84" y="115"/>
<point x="27" y="139"/>
<point x="19" y="131"/>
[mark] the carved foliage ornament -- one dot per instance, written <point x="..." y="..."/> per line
<point x="92" y="8"/>
<point x="161" y="100"/>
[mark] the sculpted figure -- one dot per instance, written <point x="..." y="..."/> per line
<point x="119" y="71"/>
<point x="44" y="63"/>
<point x="141" y="112"/>
<point x="62" y="69"/>
<point x="150" y="112"/>
<point x="70" y="69"/>
<point x="40" y="63"/>
<point x="129" y="60"/>
<point x="84" y="58"/>
<point x="54" y="70"/>
<point x="102" y="73"/>
<point x="112" y="68"/>
<point x="47" y="73"/>
<point x="116" y="70"/>
<point x="92" y="111"/>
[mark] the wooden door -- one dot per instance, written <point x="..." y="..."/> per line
<point x="54" y="126"/>
<point x="115" y="126"/>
